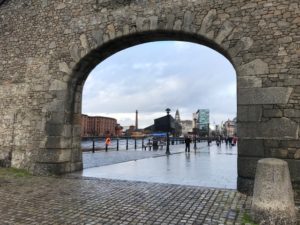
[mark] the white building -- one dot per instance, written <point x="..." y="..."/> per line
<point x="187" y="126"/>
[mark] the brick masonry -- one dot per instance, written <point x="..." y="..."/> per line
<point x="97" y="125"/>
<point x="48" y="48"/>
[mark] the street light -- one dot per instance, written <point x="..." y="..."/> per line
<point x="195" y="132"/>
<point x="168" y="129"/>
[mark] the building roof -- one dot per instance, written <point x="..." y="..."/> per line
<point x="104" y="117"/>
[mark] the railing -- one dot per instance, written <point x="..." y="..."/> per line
<point x="128" y="143"/>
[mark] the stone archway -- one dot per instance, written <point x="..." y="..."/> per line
<point x="43" y="74"/>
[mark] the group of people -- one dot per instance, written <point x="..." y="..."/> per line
<point x="232" y="141"/>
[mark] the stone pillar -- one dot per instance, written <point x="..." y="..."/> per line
<point x="273" y="199"/>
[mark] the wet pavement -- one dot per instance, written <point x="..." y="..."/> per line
<point x="207" y="166"/>
<point x="102" y="158"/>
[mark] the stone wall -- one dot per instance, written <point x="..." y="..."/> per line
<point x="48" y="48"/>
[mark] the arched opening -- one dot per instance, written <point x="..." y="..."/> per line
<point x="88" y="63"/>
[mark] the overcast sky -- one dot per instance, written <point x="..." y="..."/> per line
<point x="154" y="76"/>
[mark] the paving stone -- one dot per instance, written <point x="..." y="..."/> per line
<point x="44" y="200"/>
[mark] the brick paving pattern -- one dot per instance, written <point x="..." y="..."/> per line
<point x="44" y="200"/>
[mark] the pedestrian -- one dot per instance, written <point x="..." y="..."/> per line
<point x="234" y="140"/>
<point x="218" y="140"/>
<point x="187" y="141"/>
<point x="208" y="141"/>
<point x="107" y="143"/>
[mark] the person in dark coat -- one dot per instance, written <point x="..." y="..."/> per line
<point x="187" y="142"/>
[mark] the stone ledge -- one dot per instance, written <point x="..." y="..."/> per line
<point x="260" y="96"/>
<point x="275" y="128"/>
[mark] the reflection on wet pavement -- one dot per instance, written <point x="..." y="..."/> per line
<point x="209" y="167"/>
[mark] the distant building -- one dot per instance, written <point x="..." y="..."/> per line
<point x="187" y="126"/>
<point x="98" y="126"/>
<point x="119" y="130"/>
<point x="130" y="130"/>
<point x="177" y="116"/>
<point x="202" y="121"/>
<point x="229" y="128"/>
<point x="163" y="124"/>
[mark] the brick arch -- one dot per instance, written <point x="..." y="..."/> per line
<point x="43" y="67"/>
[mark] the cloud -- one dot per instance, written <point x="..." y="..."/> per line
<point x="154" y="76"/>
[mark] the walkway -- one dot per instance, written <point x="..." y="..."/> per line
<point x="207" y="167"/>
<point x="102" y="158"/>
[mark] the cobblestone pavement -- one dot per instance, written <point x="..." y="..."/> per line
<point x="44" y="200"/>
<point x="102" y="158"/>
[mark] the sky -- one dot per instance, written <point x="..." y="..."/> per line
<point x="158" y="75"/>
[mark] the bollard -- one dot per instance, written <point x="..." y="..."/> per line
<point x="135" y="144"/>
<point x="273" y="197"/>
<point x="117" y="144"/>
<point x="126" y="143"/>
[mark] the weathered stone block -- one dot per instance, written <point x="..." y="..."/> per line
<point x="249" y="113"/>
<point x="51" y="168"/>
<point x="54" y="129"/>
<point x="270" y="113"/>
<point x="207" y="21"/>
<point x="297" y="154"/>
<point x="245" y="185"/>
<point x="76" y="166"/>
<point x="247" y="166"/>
<point x="294" y="167"/>
<point x="54" y="155"/>
<point x="224" y="32"/>
<point x="255" y="67"/>
<point x="255" y="96"/>
<point x="58" y="142"/>
<point x="271" y="143"/>
<point x="278" y="128"/>
<point x="278" y="153"/>
<point x="291" y="82"/>
<point x="249" y="82"/>
<point x="249" y="147"/>
<point x="290" y="143"/>
<point x="292" y="113"/>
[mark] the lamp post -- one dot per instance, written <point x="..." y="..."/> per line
<point x="94" y="134"/>
<point x="195" y="133"/>
<point x="168" y="129"/>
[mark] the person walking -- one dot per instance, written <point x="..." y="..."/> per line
<point x="187" y="142"/>
<point x="107" y="143"/>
